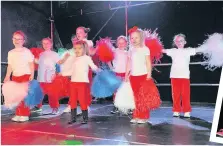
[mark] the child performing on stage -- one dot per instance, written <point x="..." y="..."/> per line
<point x="79" y="87"/>
<point x="81" y="35"/>
<point x="21" y="66"/>
<point x="139" y="70"/>
<point x="180" y="75"/>
<point x="47" y="71"/>
<point x="119" y="62"/>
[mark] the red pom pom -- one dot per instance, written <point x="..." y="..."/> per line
<point x="149" y="96"/>
<point x="155" y="48"/>
<point x="36" y="52"/>
<point x="60" y="86"/>
<point x="152" y="41"/>
<point x="104" y="50"/>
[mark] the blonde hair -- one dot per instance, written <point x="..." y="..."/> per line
<point x="84" y="44"/>
<point x="175" y="37"/>
<point x="142" y="36"/>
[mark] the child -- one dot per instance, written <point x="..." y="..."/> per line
<point x="120" y="60"/>
<point x="47" y="70"/>
<point x="82" y="34"/>
<point x="80" y="81"/>
<point x="21" y="66"/>
<point x="180" y="75"/>
<point x="139" y="69"/>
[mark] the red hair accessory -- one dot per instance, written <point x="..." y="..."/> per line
<point x="131" y="30"/>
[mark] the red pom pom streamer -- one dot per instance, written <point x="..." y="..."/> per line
<point x="104" y="50"/>
<point x="36" y="52"/>
<point x="149" y="96"/>
<point x="60" y="86"/>
<point x="153" y="42"/>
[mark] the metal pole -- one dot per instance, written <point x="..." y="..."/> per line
<point x="51" y="20"/>
<point x="126" y="19"/>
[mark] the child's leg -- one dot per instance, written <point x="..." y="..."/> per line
<point x="73" y="102"/>
<point x="136" y="83"/>
<point x="186" y="107"/>
<point x="22" y="110"/>
<point x="176" y="92"/>
<point x="83" y="98"/>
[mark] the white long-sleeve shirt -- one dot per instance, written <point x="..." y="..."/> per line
<point x="80" y="68"/>
<point x="180" y="62"/>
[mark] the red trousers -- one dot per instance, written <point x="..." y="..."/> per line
<point x="79" y="91"/>
<point x="122" y="76"/>
<point x="90" y="76"/>
<point x="135" y="82"/>
<point x="21" y="110"/>
<point x="181" y="88"/>
<point x="53" y="99"/>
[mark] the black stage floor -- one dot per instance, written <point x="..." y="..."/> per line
<point x="106" y="129"/>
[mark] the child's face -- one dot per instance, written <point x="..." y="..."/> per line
<point x="18" y="40"/>
<point x="81" y="34"/>
<point x="135" y="39"/>
<point x="121" y="43"/>
<point x="180" y="42"/>
<point x="79" y="50"/>
<point x="47" y="45"/>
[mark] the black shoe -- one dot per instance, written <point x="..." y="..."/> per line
<point x="85" y="116"/>
<point x="130" y="112"/>
<point x="36" y="109"/>
<point x="73" y="116"/>
<point x="114" y="111"/>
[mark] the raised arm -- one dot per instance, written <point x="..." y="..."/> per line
<point x="65" y="57"/>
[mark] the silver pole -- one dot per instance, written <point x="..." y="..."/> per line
<point x="51" y="20"/>
<point x="126" y="19"/>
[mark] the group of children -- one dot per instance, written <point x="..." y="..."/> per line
<point x="131" y="63"/>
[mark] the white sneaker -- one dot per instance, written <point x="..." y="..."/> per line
<point x="55" y="111"/>
<point x="24" y="119"/>
<point x="67" y="109"/>
<point x="176" y="114"/>
<point x="134" y="121"/>
<point x="15" y="118"/>
<point x="187" y="115"/>
<point x="142" y="121"/>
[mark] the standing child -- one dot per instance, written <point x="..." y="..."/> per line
<point x="180" y="75"/>
<point x="21" y="66"/>
<point x="81" y="35"/>
<point x="139" y="69"/>
<point x="47" y="70"/>
<point x="119" y="62"/>
<point x="80" y="81"/>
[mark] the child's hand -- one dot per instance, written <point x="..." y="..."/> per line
<point x="126" y="79"/>
<point x="67" y="55"/>
<point x="148" y="77"/>
<point x="6" y="79"/>
<point x="31" y="77"/>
